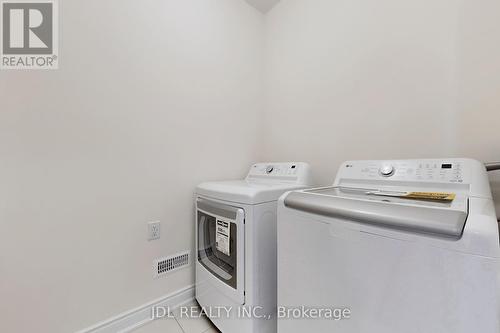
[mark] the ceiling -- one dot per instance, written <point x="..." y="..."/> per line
<point x="263" y="5"/>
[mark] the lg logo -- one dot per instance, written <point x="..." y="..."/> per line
<point x="28" y="28"/>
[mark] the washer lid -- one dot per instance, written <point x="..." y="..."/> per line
<point x="445" y="219"/>
<point x="245" y="191"/>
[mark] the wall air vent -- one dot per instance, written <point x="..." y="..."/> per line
<point x="170" y="264"/>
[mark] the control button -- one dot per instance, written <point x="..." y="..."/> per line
<point x="387" y="170"/>
<point x="269" y="169"/>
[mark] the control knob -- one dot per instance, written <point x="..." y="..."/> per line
<point x="387" y="170"/>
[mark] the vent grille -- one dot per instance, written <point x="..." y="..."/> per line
<point x="169" y="264"/>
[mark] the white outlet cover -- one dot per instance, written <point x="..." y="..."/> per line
<point x="153" y="230"/>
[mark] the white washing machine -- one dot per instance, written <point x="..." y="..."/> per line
<point x="405" y="246"/>
<point x="236" y="246"/>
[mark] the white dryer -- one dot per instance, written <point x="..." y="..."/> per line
<point x="406" y="246"/>
<point x="236" y="245"/>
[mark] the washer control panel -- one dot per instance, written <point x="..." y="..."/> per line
<point x="451" y="174"/>
<point x="449" y="171"/>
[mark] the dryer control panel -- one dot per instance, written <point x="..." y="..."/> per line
<point x="465" y="174"/>
<point x="293" y="172"/>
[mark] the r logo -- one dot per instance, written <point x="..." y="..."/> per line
<point x="27" y="28"/>
<point x="30" y="31"/>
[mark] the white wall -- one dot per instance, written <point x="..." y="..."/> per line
<point x="151" y="98"/>
<point x="382" y="79"/>
<point x="479" y="84"/>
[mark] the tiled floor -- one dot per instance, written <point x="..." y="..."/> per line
<point x="179" y="324"/>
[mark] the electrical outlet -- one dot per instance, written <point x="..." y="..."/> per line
<point x="153" y="230"/>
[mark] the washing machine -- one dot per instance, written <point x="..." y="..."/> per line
<point x="236" y="246"/>
<point x="393" y="246"/>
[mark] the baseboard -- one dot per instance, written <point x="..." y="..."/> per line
<point x="132" y="319"/>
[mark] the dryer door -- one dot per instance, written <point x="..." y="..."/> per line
<point x="221" y="246"/>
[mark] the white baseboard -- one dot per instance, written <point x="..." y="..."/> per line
<point x="132" y="319"/>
